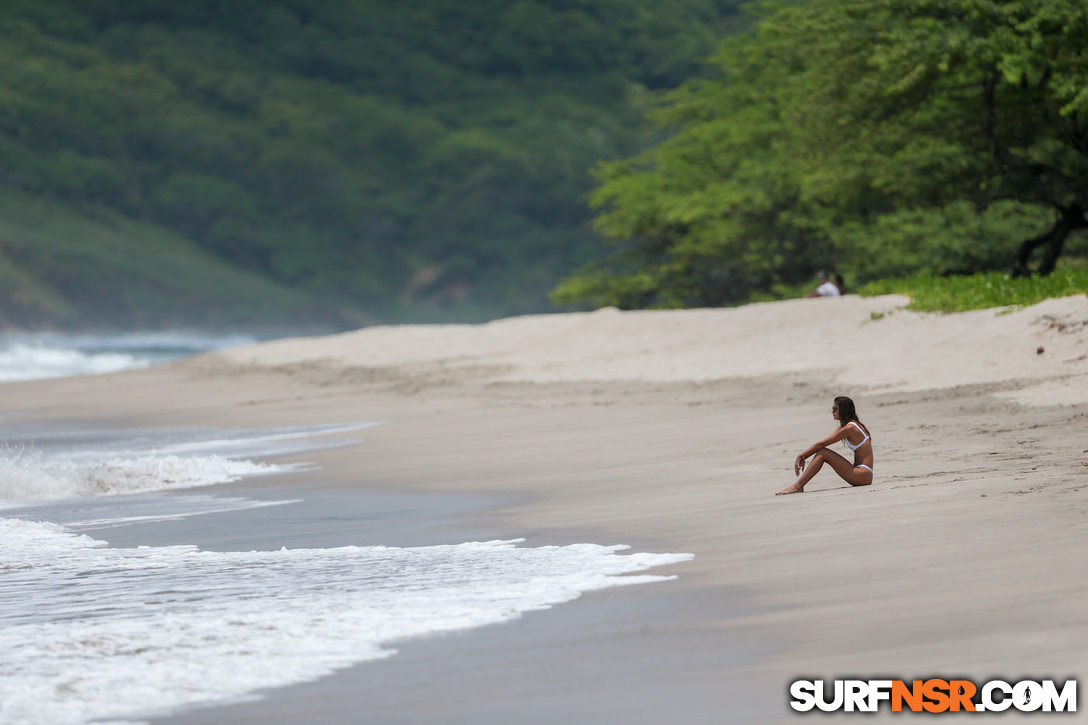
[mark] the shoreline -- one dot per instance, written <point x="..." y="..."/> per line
<point x="611" y="638"/>
<point x="962" y="557"/>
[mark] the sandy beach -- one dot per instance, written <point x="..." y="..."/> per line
<point x="670" y="431"/>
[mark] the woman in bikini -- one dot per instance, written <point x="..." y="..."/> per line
<point x="852" y="433"/>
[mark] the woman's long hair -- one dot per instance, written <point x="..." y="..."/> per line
<point x="847" y="413"/>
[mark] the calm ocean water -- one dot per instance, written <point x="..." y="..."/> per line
<point x="93" y="632"/>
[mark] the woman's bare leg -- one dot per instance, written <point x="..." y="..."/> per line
<point x="845" y="469"/>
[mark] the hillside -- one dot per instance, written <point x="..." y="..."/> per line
<point x="374" y="159"/>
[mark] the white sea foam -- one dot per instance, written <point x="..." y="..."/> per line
<point x="60" y="464"/>
<point x="92" y="632"/>
<point x="29" y="356"/>
<point x="26" y="475"/>
<point x="27" y="362"/>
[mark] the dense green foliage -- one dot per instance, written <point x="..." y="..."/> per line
<point x="982" y="290"/>
<point x="879" y="138"/>
<point x="56" y="266"/>
<point x="391" y="156"/>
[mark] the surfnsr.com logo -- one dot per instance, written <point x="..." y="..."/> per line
<point x="933" y="695"/>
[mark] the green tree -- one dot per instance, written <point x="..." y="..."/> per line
<point x="927" y="103"/>
<point x="881" y="137"/>
<point x="710" y="214"/>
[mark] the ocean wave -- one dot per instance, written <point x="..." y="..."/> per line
<point x="165" y="341"/>
<point x="152" y="629"/>
<point x="30" y="356"/>
<point x="26" y="475"/>
<point x="27" y="362"/>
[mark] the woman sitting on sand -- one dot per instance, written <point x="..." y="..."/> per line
<point x="857" y="439"/>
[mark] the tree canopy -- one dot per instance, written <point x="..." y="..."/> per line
<point x="876" y="137"/>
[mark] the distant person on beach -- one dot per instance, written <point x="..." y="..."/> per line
<point x="827" y="288"/>
<point x="840" y="283"/>
<point x="854" y="435"/>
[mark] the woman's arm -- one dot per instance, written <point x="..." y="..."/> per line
<point x="799" y="464"/>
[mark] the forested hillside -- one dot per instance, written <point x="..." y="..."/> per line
<point x="216" y="161"/>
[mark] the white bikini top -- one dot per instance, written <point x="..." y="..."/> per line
<point x="850" y="445"/>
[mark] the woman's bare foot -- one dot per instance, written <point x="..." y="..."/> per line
<point x="792" y="489"/>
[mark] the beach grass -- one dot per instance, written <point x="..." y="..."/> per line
<point x="984" y="289"/>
